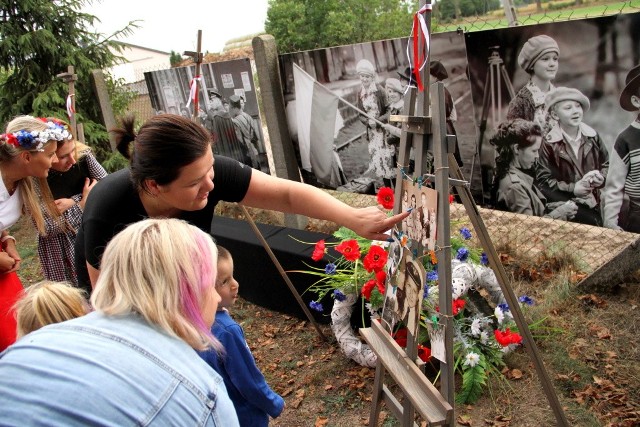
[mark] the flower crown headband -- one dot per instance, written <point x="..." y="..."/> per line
<point x="35" y="140"/>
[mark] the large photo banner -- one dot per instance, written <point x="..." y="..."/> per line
<point x="338" y="102"/>
<point x="227" y="106"/>
<point x="557" y="110"/>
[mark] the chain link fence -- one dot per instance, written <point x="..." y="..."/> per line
<point x="511" y="233"/>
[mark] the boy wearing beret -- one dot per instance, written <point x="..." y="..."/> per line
<point x="539" y="58"/>
<point x="573" y="160"/>
<point x="623" y="180"/>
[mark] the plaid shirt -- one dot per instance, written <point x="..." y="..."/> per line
<point x="56" y="248"/>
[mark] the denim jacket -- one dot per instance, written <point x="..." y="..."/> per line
<point x="109" y="371"/>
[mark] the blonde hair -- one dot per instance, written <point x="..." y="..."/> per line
<point x="28" y="192"/>
<point x="163" y="270"/>
<point x="48" y="302"/>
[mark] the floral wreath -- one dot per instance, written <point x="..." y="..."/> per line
<point x="36" y="140"/>
<point x="481" y="338"/>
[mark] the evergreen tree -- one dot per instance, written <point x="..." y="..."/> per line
<point x="309" y="24"/>
<point x="40" y="39"/>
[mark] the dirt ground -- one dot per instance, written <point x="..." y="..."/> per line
<point x="588" y="343"/>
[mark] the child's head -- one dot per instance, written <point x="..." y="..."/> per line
<point x="49" y="302"/>
<point x="517" y="142"/>
<point x="567" y="105"/>
<point x="226" y="284"/>
<point x="543" y="51"/>
<point x="630" y="96"/>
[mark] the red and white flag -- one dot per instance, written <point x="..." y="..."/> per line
<point x="70" y="110"/>
<point x="317" y="121"/>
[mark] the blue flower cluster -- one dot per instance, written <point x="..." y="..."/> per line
<point x="432" y="276"/>
<point x="466" y="233"/>
<point x="463" y="254"/>
<point x="25" y="139"/>
<point x="316" y="306"/>
<point x="339" y="296"/>
<point x="330" y="268"/>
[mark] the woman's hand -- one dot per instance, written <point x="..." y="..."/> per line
<point x="7" y="263"/>
<point x="372" y="222"/>
<point x="11" y="250"/>
<point x="88" y="186"/>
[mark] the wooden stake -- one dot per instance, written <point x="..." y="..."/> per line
<point x="70" y="78"/>
<point x="197" y="58"/>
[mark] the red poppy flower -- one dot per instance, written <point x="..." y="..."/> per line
<point x="507" y="337"/>
<point x="376" y="259"/>
<point x="367" y="288"/>
<point x="11" y="139"/>
<point x="451" y="198"/>
<point x="385" y="197"/>
<point x="458" y="305"/>
<point x="318" y="251"/>
<point x="424" y="353"/>
<point x="349" y="249"/>
<point x="401" y="337"/>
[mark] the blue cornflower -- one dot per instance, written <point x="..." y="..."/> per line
<point x="432" y="276"/>
<point x="526" y="300"/>
<point x="426" y="292"/>
<point x="330" y="268"/>
<point x="316" y="306"/>
<point x="466" y="233"/>
<point x="463" y="254"/>
<point x="339" y="296"/>
<point x="504" y="307"/>
<point x="484" y="259"/>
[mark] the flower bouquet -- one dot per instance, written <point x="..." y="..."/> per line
<point x="484" y="330"/>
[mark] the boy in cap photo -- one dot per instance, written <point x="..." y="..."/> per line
<point x="623" y="180"/>
<point x="573" y="160"/>
<point x="539" y="58"/>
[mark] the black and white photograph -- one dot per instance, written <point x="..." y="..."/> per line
<point x="227" y="106"/>
<point x="339" y="99"/>
<point x="557" y="119"/>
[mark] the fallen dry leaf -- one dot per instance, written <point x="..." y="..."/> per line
<point x="464" y="420"/>
<point x="321" y="421"/>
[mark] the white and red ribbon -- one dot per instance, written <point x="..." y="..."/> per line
<point x="193" y="92"/>
<point x="70" y="110"/>
<point x="419" y="29"/>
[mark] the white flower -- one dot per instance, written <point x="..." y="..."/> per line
<point x="471" y="359"/>
<point x="499" y="315"/>
<point x="484" y="337"/>
<point x="475" y="327"/>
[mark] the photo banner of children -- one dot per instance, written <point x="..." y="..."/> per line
<point x="227" y="106"/>
<point x="564" y="145"/>
<point x="339" y="99"/>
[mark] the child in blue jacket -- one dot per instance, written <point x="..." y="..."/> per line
<point x="251" y="395"/>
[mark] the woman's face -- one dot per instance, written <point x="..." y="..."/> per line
<point x="527" y="156"/>
<point x="190" y="191"/>
<point x="546" y="67"/>
<point x="41" y="161"/>
<point x="392" y="96"/>
<point x="66" y="155"/>
<point x="366" y="79"/>
<point x="413" y="201"/>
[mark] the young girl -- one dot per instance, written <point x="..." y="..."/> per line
<point x="539" y="58"/>
<point x="27" y="150"/>
<point x="518" y="143"/>
<point x="49" y="302"/>
<point x="70" y="180"/>
<point x="251" y="395"/>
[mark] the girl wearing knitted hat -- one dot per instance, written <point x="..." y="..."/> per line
<point x="539" y="58"/>
<point x="372" y="99"/>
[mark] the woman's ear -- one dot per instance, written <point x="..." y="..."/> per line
<point x="152" y="187"/>
<point x="25" y="156"/>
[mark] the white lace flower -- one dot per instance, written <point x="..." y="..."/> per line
<point x="499" y="315"/>
<point x="484" y="337"/>
<point x="475" y="327"/>
<point x="471" y="359"/>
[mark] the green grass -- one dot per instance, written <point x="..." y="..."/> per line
<point x="493" y="21"/>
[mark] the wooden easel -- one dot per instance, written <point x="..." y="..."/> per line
<point x="419" y="394"/>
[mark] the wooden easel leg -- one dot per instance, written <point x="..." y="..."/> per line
<point x="376" y="398"/>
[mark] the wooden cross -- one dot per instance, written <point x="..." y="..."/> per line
<point x="70" y="78"/>
<point x="197" y="58"/>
